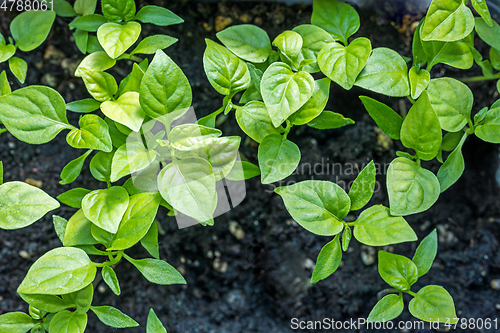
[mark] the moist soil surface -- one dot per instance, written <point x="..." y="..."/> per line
<point x="259" y="280"/>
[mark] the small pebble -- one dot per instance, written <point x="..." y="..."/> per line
<point x="236" y="230"/>
<point x="368" y="255"/>
<point x="24" y="254"/>
<point x="220" y="266"/>
<point x="34" y="182"/>
<point x="497" y="306"/>
<point x="495" y="284"/>
<point x="222" y="23"/>
<point x="101" y="289"/>
<point x="210" y="254"/>
<point x="217" y="254"/>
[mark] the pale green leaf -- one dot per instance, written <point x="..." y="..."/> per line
<point x="4" y="84"/>
<point x="411" y="188"/>
<point x="425" y="253"/>
<point x="226" y="72"/>
<point x="16" y="322"/>
<point x="73" y="169"/>
<point x="93" y="134"/>
<point x="129" y="158"/>
<point x="328" y="260"/>
<point x="88" y="22"/>
<point x="67" y="321"/>
<point x="105" y="208"/>
<point x="447" y="21"/>
<point x="388" y="308"/>
<point x="151" y="44"/>
<point x="109" y="276"/>
<point x="278" y="158"/>
<point x="19" y="68"/>
<point x="284" y="92"/>
<point x="73" y="197"/>
<point x="453" y="168"/>
<point x="419" y="80"/>
<point x="376" y="227"/>
<point x="433" y="303"/>
<point x="115" y="38"/>
<point x="314" y="39"/>
<point x="78" y="231"/>
<point x="318" y="206"/>
<point x="386" y="118"/>
<point x="101" y="85"/>
<point x="343" y="64"/>
<point x="315" y="105"/>
<point x="154" y="324"/>
<point x="60" y="271"/>
<point x="22" y="204"/>
<point x="330" y="120"/>
<point x="398" y="271"/>
<point x="113" y="317"/>
<point x="30" y="28"/>
<point x="488" y="34"/>
<point x="6" y="52"/>
<point x="126" y="110"/>
<point x="47" y="303"/>
<point x="118" y="10"/>
<point x="97" y="61"/>
<point x="247" y="41"/>
<point x="158" y="16"/>
<point x="489" y="129"/>
<point x="158" y="271"/>
<point x="83" y="106"/>
<point x="254" y="120"/>
<point x="363" y="186"/>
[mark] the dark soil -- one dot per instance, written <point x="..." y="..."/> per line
<point x="266" y="281"/>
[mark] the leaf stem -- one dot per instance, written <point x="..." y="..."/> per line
<point x="411" y="99"/>
<point x="479" y="78"/>
<point x="289" y="126"/>
<point x="130" y="57"/>
<point x="409" y="292"/>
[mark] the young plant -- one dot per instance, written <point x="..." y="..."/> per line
<point x="431" y="303"/>
<point x="28" y="30"/>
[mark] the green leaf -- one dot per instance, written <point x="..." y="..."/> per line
<point x="254" y="120"/>
<point x="343" y="64"/>
<point x="1" y="173"/>
<point x="457" y="54"/>
<point x="419" y="80"/>
<point x="190" y="136"/>
<point x="489" y="129"/>
<point x="226" y="72"/>
<point x="289" y="43"/>
<point x="132" y="82"/>
<point x="247" y="41"/>
<point x="433" y="303"/>
<point x="489" y="34"/>
<point x="253" y="91"/>
<point x="118" y="10"/>
<point x="376" y="227"/>
<point x="363" y="186"/>
<point x="151" y="44"/>
<point x="411" y="188"/>
<point x="83" y="106"/>
<point x="452" y="102"/>
<point x="425" y="253"/>
<point x="81" y="40"/>
<point x="47" y="303"/>
<point x="447" y="21"/>
<point x="59" y="271"/>
<point x="90" y="22"/>
<point x="328" y="260"/>
<point x="278" y="158"/>
<point x="115" y="38"/>
<point x="60" y="225"/>
<point x="284" y="92"/>
<point x="93" y="134"/>
<point x="421" y="129"/>
<point x="113" y="317"/>
<point x="63" y="8"/>
<point x="6" y="52"/>
<point x="386" y="118"/>
<point x="137" y="220"/>
<point x="30" y="29"/>
<point x="495" y="58"/>
<point x="126" y="110"/>
<point x="388" y="308"/>
<point x="73" y="197"/>
<point x="315" y="105"/>
<point x="150" y="241"/>
<point x="385" y="73"/>
<point x="101" y="85"/>
<point x="72" y="170"/>
<point x="157" y="271"/>
<point x="346" y="237"/>
<point x="189" y="186"/>
<point x="67" y="321"/>
<point x="16" y="322"/>
<point x="83" y="299"/>
<point x="314" y="39"/>
<point x="105" y="208"/>
<point x="336" y="17"/>
<point x="154" y="324"/>
<point x="129" y="158"/>
<point x="97" y="61"/>
<point x="158" y="16"/>
<point x="318" y="206"/>
<point x="330" y="120"/>
<point x="78" y="231"/>
<point x="243" y="170"/>
<point x="19" y="68"/>
<point x="398" y="271"/>
<point x="22" y="204"/>
<point x="164" y="88"/>
<point x="109" y="276"/>
<point x="85" y="7"/>
<point x="4" y="84"/>
<point x="453" y="168"/>
<point x="100" y="166"/>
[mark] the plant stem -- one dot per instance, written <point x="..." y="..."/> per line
<point x="480" y="78"/>
<point x="130" y="57"/>
<point x="411" y="293"/>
